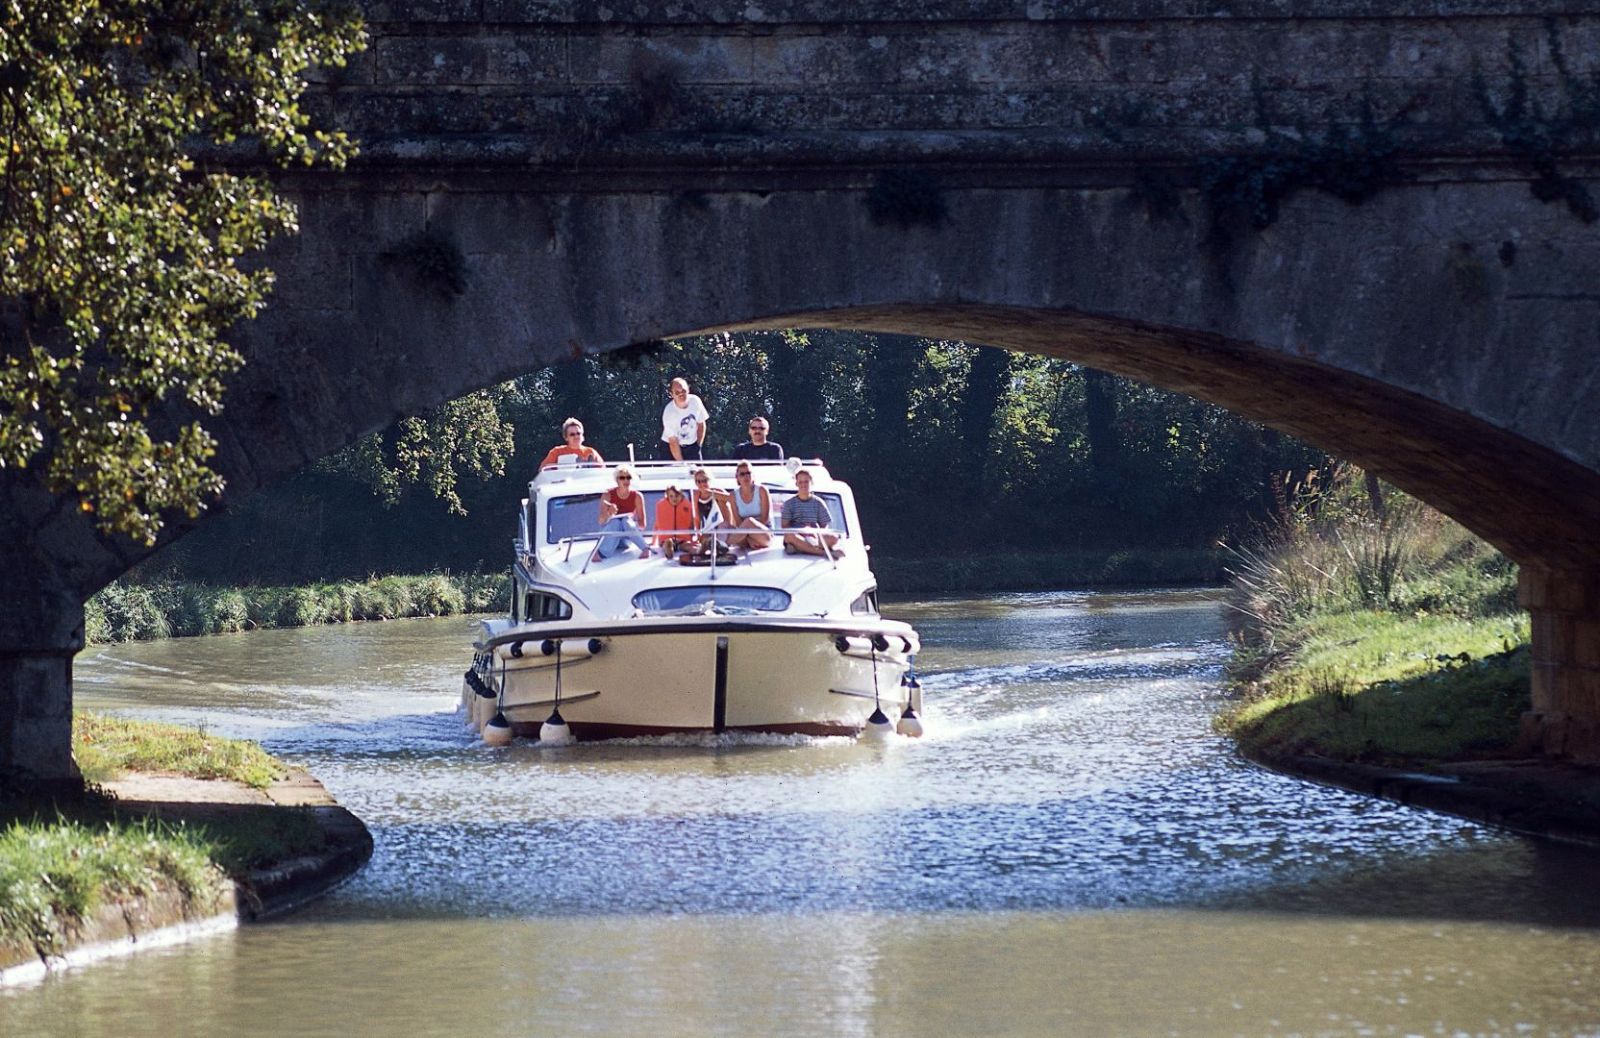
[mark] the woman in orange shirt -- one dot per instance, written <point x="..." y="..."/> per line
<point x="674" y="512"/>
<point x="572" y="437"/>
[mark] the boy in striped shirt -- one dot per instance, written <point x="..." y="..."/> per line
<point x="806" y="510"/>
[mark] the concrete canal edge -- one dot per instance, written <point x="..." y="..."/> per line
<point x="1532" y="796"/>
<point x="165" y="917"/>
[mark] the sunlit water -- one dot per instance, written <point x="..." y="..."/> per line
<point x="1068" y="851"/>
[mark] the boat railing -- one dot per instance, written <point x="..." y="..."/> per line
<point x="717" y="531"/>
<point x="689" y="463"/>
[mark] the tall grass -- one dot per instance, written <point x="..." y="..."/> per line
<point x="1329" y="550"/>
<point x="1373" y="633"/>
<point x="125" y="612"/>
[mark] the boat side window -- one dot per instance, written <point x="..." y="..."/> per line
<point x="572" y="515"/>
<point x="866" y="604"/>
<point x="834" y="502"/>
<point x="542" y="606"/>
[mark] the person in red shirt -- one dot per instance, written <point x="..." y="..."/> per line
<point x="622" y="518"/>
<point x="674" y="512"/>
<point x="572" y="435"/>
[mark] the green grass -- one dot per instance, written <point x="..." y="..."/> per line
<point x="56" y="872"/>
<point x="106" y="747"/>
<point x="1377" y="687"/>
<point x="126" y="612"/>
<point x="1390" y="638"/>
<point x="60" y="860"/>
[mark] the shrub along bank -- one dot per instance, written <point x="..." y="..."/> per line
<point x="1375" y="632"/>
<point x="63" y="859"/>
<point x="127" y="611"/>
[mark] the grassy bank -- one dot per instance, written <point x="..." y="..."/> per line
<point x="106" y="747"/>
<point x="126" y="612"/>
<point x="1391" y="638"/>
<point x="62" y="859"/>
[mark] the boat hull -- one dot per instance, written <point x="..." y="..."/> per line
<point x="720" y="678"/>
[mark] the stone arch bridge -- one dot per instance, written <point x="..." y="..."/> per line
<point x="1312" y="212"/>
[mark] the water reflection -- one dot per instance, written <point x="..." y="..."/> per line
<point x="1069" y="850"/>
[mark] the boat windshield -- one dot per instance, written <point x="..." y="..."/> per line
<point x="579" y="514"/>
<point x="710" y="601"/>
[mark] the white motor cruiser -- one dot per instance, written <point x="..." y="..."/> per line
<point x="769" y="641"/>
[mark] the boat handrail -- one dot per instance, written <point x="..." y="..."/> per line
<point x="718" y="530"/>
<point x="697" y="462"/>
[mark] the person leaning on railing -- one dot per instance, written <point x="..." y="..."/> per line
<point x="683" y="425"/>
<point x="621" y="518"/>
<point x="807" y="510"/>
<point x="572" y="446"/>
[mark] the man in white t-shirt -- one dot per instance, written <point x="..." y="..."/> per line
<point x="683" y="425"/>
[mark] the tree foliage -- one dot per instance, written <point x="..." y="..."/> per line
<point x="122" y="230"/>
<point x="470" y="432"/>
<point x="953" y="448"/>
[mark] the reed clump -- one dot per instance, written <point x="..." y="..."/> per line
<point x="1371" y="627"/>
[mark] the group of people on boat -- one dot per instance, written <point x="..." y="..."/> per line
<point x="683" y="434"/>
<point x="707" y="520"/>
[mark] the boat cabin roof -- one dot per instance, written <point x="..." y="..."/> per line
<point x="590" y="478"/>
<point x="768" y="580"/>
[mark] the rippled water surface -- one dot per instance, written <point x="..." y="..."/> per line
<point x="1069" y="850"/>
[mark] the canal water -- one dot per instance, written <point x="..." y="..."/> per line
<point x="1069" y="850"/>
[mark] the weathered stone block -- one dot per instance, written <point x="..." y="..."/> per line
<point x="681" y="58"/>
<point x="379" y="12"/>
<point x="430" y="60"/>
<point x="526" y="60"/>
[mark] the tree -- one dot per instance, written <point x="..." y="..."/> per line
<point x="122" y="230"/>
<point x="468" y="432"/>
<point x="987" y="382"/>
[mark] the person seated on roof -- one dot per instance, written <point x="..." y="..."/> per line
<point x="674" y="512"/>
<point x="758" y="447"/>
<point x="572" y="434"/>
<point x="622" y="518"/>
<point x="806" y="510"/>
<point x="710" y="507"/>
<point x="751" y="509"/>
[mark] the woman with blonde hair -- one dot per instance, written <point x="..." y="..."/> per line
<point x="622" y="517"/>
<point x="710" y="508"/>
<point x="750" y="508"/>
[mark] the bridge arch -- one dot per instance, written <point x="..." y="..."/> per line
<point x="1443" y="332"/>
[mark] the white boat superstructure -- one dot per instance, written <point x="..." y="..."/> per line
<point x="772" y="642"/>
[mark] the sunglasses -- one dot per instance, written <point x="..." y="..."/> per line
<point x="624" y="479"/>
<point x="701" y="483"/>
<point x="574" y="432"/>
<point x="757" y="428"/>
<point x="744" y="475"/>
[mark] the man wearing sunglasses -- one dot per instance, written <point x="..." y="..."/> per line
<point x="758" y="447"/>
<point x="572" y="445"/>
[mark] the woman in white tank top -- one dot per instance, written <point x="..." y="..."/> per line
<point x="750" y="513"/>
